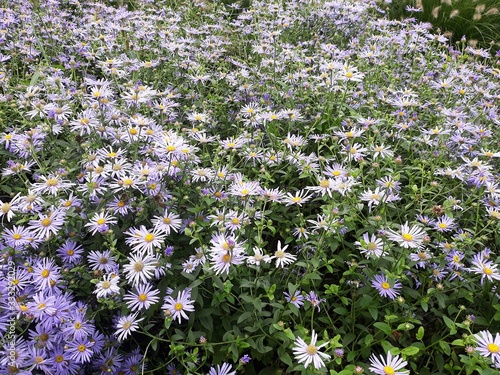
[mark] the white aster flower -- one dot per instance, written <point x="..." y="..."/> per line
<point x="309" y="353"/>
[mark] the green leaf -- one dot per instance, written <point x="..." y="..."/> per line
<point x="449" y="323"/>
<point x="373" y="312"/>
<point x="384" y="327"/>
<point x="458" y="342"/>
<point x="244" y="316"/>
<point x="411" y="350"/>
<point x="445" y="347"/>
<point x="420" y="333"/>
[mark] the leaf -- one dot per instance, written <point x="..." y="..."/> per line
<point x="384" y="327"/>
<point x="411" y="350"/>
<point x="373" y="312"/>
<point x="449" y="323"/>
<point x="420" y="333"/>
<point x="244" y="316"/>
<point x="445" y="347"/>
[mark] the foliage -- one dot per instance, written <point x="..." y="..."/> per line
<point x="192" y="188"/>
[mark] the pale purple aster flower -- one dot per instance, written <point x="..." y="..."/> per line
<point x="18" y="237"/>
<point x="388" y="366"/>
<point x="70" y="252"/>
<point x="309" y="353"/>
<point x="296" y="299"/>
<point x="140" y="268"/>
<point x="444" y="224"/>
<point x="314" y="300"/>
<point x="108" y="286"/>
<point x="144" y="297"/>
<point x="224" y="370"/>
<point x="385" y="289"/>
<point x="47" y="225"/>
<point x="283" y="258"/>
<point x="101" y="222"/>
<point x="489" y="346"/>
<point x="80" y="350"/>
<point x="407" y="237"/>
<point x="485" y="268"/>
<point x="169" y="221"/>
<point x="144" y="240"/>
<point x="126" y="325"/>
<point x="102" y="261"/>
<point x="45" y="274"/>
<point x="176" y="308"/>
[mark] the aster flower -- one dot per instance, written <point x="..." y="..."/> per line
<point x="370" y="246"/>
<point x="101" y="222"/>
<point x="140" y="268"/>
<point x="224" y="370"/>
<point x="407" y="237"/>
<point x="388" y="366"/>
<point x="485" y="268"/>
<point x="296" y="299"/>
<point x="283" y="258"/>
<point x="144" y="240"/>
<point x="126" y="325"/>
<point x="444" y="224"/>
<point x="314" y="300"/>
<point x="108" y="286"/>
<point x="299" y="198"/>
<point x="18" y="237"/>
<point x="45" y="274"/>
<point x="381" y="283"/>
<point x="309" y="353"/>
<point x="144" y="297"/>
<point x="47" y="225"/>
<point x="102" y="261"/>
<point x="258" y="257"/>
<point x="489" y="346"/>
<point x="177" y="308"/>
<point x="169" y="221"/>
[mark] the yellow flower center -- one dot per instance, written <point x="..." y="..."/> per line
<point x="46" y="222"/>
<point x="41" y="306"/>
<point x="244" y="192"/>
<point x="388" y="370"/>
<point x="311" y="349"/>
<point x="142" y="297"/>
<point x="121" y="204"/>
<point x="81" y="348"/>
<point x="279" y="254"/>
<point x="111" y="154"/>
<point x="443" y="225"/>
<point x="235" y="221"/>
<point x="45" y="273"/>
<point x="149" y="237"/>
<point x="296" y="199"/>
<point x="39" y="359"/>
<point x="231" y="145"/>
<point x="78" y="325"/>
<point x="52" y="182"/>
<point x="493" y="348"/>
<point x="138" y="266"/>
<point x="372" y="246"/>
<point x="128" y="182"/>
<point x="101" y="221"/>
<point x="59" y="358"/>
<point x="133" y="131"/>
<point x="167" y="220"/>
<point x="105" y="284"/>
<point x="385" y="285"/>
<point x="488" y="271"/>
<point x="349" y="75"/>
<point x="16" y="236"/>
<point x="103" y="260"/>
<point x="226" y="258"/>
<point x="407" y="237"/>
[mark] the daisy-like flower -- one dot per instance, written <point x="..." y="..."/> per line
<point x="45" y="274"/>
<point x="489" y="346"/>
<point x="444" y="224"/>
<point x="258" y="257"/>
<point x="372" y="197"/>
<point x="407" y="237"/>
<point x="144" y="240"/>
<point x="168" y="222"/>
<point x="51" y="184"/>
<point x="296" y="299"/>
<point x="47" y="225"/>
<point x="224" y="370"/>
<point x="143" y="299"/>
<point x="309" y="353"/>
<point x="283" y="258"/>
<point x="176" y="308"/>
<point x="388" y="366"/>
<point x="102" y="260"/>
<point x="299" y="198"/>
<point x="100" y="222"/>
<point x="244" y="189"/>
<point x="385" y="289"/>
<point x="140" y="269"/>
<point x="126" y="325"/>
<point x="370" y="246"/>
<point x="485" y="268"/>
<point x="18" y="237"/>
<point x="108" y="286"/>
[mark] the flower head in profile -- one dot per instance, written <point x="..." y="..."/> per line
<point x="388" y="366"/>
<point x="225" y="369"/>
<point x="309" y="353"/>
